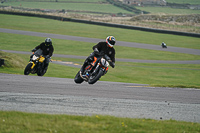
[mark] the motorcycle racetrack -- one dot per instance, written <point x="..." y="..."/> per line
<point x="63" y="96"/>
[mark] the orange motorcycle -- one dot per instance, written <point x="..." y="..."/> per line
<point x="94" y="70"/>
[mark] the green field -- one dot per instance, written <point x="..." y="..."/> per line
<point x="19" y="43"/>
<point x="184" y="1"/>
<point x="93" y="31"/>
<point x="167" y="10"/>
<point x="92" y="7"/>
<point x="98" y="6"/>
<point x="101" y="10"/>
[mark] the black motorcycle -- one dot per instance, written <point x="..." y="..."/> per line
<point x="35" y="65"/>
<point x="94" y="70"/>
<point x="164" y="45"/>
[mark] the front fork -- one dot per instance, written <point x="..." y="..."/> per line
<point x="99" y="67"/>
<point x="33" y="64"/>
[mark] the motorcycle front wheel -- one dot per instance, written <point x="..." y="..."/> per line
<point x="78" y="78"/>
<point x="94" y="78"/>
<point x="27" y="70"/>
<point x="40" y="72"/>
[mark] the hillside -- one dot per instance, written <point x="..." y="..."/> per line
<point x="113" y="11"/>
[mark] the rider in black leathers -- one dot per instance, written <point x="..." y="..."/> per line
<point x="102" y="48"/>
<point x="46" y="49"/>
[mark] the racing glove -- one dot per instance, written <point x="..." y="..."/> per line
<point x="47" y="56"/>
<point x="33" y="50"/>
<point x="112" y="64"/>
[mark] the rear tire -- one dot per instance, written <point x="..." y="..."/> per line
<point x="27" y="70"/>
<point x="78" y="78"/>
<point x="96" y="78"/>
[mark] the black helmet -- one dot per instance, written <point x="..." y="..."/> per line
<point x="48" y="42"/>
<point x="110" y="40"/>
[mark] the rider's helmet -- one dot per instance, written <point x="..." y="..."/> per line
<point x="110" y="40"/>
<point x="48" y="42"/>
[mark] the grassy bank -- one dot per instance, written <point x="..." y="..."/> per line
<point x="44" y="123"/>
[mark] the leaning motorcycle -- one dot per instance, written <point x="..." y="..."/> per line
<point x="94" y="70"/>
<point x="35" y="65"/>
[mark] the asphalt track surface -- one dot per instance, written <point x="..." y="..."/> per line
<point x="63" y="96"/>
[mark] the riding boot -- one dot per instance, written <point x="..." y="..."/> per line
<point x="87" y="61"/>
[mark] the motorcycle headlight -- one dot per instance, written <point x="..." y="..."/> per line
<point x="104" y="62"/>
<point x="35" y="57"/>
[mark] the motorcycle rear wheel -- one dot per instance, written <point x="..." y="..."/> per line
<point x="27" y="70"/>
<point x="94" y="79"/>
<point x="78" y="78"/>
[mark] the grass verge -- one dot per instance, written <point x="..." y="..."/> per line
<point x="28" y="122"/>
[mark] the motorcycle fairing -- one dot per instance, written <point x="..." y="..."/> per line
<point x="95" y="60"/>
<point x="41" y="59"/>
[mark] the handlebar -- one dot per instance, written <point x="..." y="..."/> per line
<point x="107" y="57"/>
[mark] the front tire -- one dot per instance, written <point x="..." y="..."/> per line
<point x="94" y="79"/>
<point x="40" y="72"/>
<point x="78" y="78"/>
<point x="27" y="70"/>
